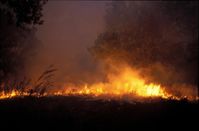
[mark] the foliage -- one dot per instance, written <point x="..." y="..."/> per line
<point x="18" y="19"/>
<point x="145" y="33"/>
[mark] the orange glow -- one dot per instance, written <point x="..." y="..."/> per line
<point x="11" y="94"/>
<point x="124" y="82"/>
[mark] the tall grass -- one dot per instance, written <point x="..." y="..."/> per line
<point x="38" y="87"/>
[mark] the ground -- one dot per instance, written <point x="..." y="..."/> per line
<point x="82" y="113"/>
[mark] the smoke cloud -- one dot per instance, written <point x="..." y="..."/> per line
<point x="69" y="29"/>
<point x="160" y="39"/>
<point x="85" y="39"/>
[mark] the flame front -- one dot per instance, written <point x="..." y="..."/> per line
<point x="11" y="94"/>
<point x="126" y="82"/>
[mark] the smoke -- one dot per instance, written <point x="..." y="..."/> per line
<point x="85" y="41"/>
<point x="160" y="39"/>
<point x="69" y="29"/>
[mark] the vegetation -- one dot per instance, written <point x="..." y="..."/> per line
<point x="18" y="21"/>
<point x="161" y="37"/>
<point x="38" y="87"/>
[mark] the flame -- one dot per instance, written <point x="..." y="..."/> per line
<point x="125" y="82"/>
<point x="11" y="94"/>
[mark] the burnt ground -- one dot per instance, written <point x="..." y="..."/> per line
<point x="81" y="113"/>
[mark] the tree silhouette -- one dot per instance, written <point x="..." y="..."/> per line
<point x="145" y="33"/>
<point x="18" y="19"/>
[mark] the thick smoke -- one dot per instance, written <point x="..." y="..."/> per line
<point x="158" y="38"/>
<point x="69" y="29"/>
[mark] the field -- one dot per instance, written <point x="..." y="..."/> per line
<point x="83" y="113"/>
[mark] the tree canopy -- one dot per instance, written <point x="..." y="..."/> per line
<point x="145" y="34"/>
<point x="18" y="20"/>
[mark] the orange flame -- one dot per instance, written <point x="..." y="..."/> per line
<point x="125" y="82"/>
<point x="11" y="94"/>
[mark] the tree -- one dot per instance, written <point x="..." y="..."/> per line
<point x="18" y="20"/>
<point x="144" y="34"/>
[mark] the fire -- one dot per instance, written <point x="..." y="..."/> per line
<point x="11" y="94"/>
<point x="124" y="82"/>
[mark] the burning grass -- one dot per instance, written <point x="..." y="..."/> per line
<point x="125" y="83"/>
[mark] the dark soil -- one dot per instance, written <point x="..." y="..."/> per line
<point x="81" y="113"/>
